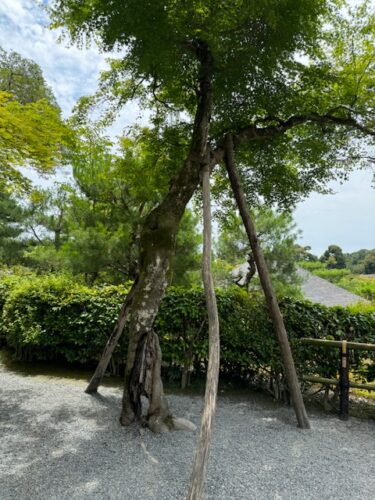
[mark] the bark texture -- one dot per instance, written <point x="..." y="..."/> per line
<point x="202" y="451"/>
<point x="273" y="306"/>
<point x="157" y="243"/>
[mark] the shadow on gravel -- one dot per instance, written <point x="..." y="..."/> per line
<point x="58" y="443"/>
<point x="51" y="448"/>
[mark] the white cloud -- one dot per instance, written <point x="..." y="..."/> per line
<point x="70" y="72"/>
<point x="16" y="11"/>
<point x="346" y="218"/>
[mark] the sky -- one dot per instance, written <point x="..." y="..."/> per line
<point x="345" y="218"/>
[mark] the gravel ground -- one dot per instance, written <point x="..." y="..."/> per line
<point x="58" y="443"/>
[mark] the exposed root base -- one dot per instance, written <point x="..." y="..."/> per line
<point x="182" y="424"/>
<point x="126" y="419"/>
<point x="160" y="425"/>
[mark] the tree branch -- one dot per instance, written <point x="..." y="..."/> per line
<point x="35" y="233"/>
<point x="253" y="132"/>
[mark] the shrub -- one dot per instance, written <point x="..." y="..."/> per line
<point x="52" y="317"/>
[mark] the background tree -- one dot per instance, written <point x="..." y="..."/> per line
<point x="47" y="212"/>
<point x="333" y="258"/>
<point x="303" y="254"/>
<point x="31" y="130"/>
<point x="92" y="226"/>
<point x="369" y="263"/>
<point x="277" y="234"/>
<point x="12" y="217"/>
<point x="24" y="79"/>
<point x="187" y="259"/>
<point x="355" y="260"/>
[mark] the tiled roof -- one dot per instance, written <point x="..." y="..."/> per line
<point x="316" y="289"/>
<point x="323" y="292"/>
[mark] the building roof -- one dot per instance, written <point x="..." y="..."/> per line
<point x="323" y="292"/>
<point x="313" y="288"/>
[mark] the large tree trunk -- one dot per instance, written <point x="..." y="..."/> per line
<point x="157" y="243"/>
<point x="202" y="452"/>
<point x="269" y="293"/>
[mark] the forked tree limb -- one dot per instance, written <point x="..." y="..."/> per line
<point x="273" y="306"/>
<point x="97" y="378"/>
<point x="203" y="446"/>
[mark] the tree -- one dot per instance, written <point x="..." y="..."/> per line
<point x="31" y="130"/>
<point x="92" y="227"/>
<point x="355" y="260"/>
<point x="333" y="258"/>
<point x="231" y="68"/>
<point x="228" y="68"/>
<point x="12" y="217"/>
<point x="369" y="263"/>
<point x="186" y="261"/>
<point x="47" y="223"/>
<point x="303" y="254"/>
<point x="116" y="191"/>
<point x="23" y="79"/>
<point x="277" y="234"/>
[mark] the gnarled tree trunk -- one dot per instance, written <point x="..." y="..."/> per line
<point x="157" y="243"/>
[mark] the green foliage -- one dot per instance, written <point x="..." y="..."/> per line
<point x="369" y="263"/>
<point x="55" y="318"/>
<point x="187" y="260"/>
<point x="52" y="317"/>
<point x="355" y="324"/>
<point x="333" y="258"/>
<point x="92" y="227"/>
<point x="312" y="266"/>
<point x="162" y="38"/>
<point x="303" y="254"/>
<point x="360" y="285"/>
<point x="355" y="260"/>
<point x="31" y="134"/>
<point x="12" y="216"/>
<point x="332" y="275"/>
<point x="277" y="235"/>
<point x="23" y="78"/>
<point x="257" y="80"/>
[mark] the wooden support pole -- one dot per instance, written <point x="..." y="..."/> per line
<point x="198" y="474"/>
<point x="273" y="306"/>
<point x="110" y="346"/>
<point x="338" y="343"/>
<point x="344" y="381"/>
<point x="334" y="381"/>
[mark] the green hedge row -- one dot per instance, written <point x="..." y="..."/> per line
<point x="52" y="317"/>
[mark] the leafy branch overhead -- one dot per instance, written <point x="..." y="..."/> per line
<point x="298" y="99"/>
<point x="32" y="132"/>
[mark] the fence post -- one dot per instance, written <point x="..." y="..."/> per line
<point x="344" y="381"/>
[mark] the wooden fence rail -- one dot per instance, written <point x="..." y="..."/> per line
<point x="344" y="383"/>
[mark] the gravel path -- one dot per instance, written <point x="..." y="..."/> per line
<point x="58" y="443"/>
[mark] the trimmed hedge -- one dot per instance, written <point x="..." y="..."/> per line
<point x="52" y="317"/>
